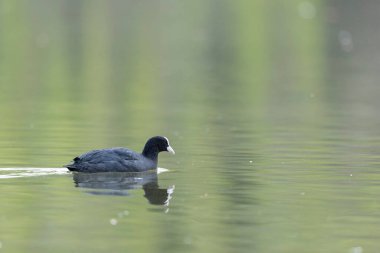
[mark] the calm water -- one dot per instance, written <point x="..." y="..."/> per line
<point x="272" y="109"/>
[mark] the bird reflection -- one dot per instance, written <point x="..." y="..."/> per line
<point x="120" y="183"/>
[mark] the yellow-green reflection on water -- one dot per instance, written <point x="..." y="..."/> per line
<point x="272" y="109"/>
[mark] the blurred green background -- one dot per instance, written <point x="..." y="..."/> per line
<point x="271" y="106"/>
<point x="104" y="72"/>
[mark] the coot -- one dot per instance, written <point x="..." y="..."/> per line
<point x="122" y="159"/>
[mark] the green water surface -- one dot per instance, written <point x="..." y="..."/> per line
<point x="272" y="108"/>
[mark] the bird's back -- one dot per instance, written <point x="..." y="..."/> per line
<point x="112" y="159"/>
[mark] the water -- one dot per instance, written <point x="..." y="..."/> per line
<point x="272" y="110"/>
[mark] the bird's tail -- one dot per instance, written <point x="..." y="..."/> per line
<point x="72" y="166"/>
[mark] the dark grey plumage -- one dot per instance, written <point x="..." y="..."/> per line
<point x="121" y="159"/>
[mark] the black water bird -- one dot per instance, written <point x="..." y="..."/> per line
<point x="122" y="159"/>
